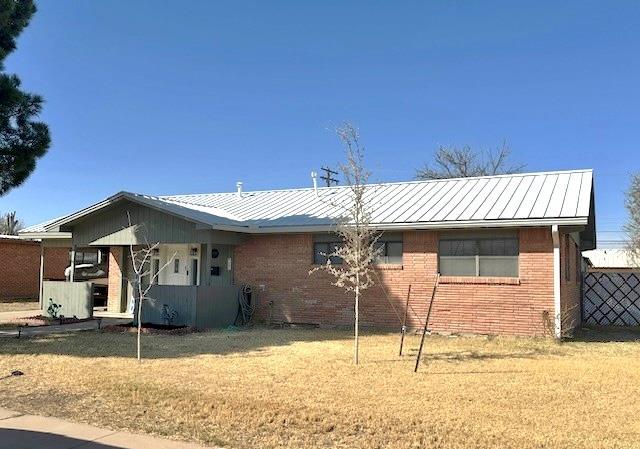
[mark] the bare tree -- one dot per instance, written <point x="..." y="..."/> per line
<point x="454" y="162"/>
<point x="143" y="277"/>
<point x="358" y="250"/>
<point x="632" y="227"/>
<point x="10" y="224"/>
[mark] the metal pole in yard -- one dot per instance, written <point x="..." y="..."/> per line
<point x="404" y="320"/>
<point x="426" y="322"/>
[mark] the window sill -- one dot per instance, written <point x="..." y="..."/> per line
<point x="388" y="266"/>
<point x="474" y="280"/>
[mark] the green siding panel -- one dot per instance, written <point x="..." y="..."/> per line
<point x="75" y="298"/>
<point x="111" y="226"/>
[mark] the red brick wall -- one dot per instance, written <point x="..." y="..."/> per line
<point x="20" y="267"/>
<point x="498" y="306"/>
<point x="114" y="287"/>
<point x="570" y="286"/>
<point x="56" y="260"/>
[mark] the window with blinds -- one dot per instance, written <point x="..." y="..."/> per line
<point x="479" y="256"/>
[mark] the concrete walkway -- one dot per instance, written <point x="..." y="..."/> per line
<point x="30" y="331"/>
<point x="19" y="431"/>
<point x="10" y="316"/>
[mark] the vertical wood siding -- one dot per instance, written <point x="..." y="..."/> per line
<point x="74" y="297"/>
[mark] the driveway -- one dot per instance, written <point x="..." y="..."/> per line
<point x="19" y="431"/>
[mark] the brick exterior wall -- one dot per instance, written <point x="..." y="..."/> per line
<point x="278" y="265"/>
<point x="20" y="267"/>
<point x="114" y="286"/>
<point x="570" y="285"/>
<point x="56" y="260"/>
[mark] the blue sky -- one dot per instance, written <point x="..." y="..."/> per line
<point x="182" y="97"/>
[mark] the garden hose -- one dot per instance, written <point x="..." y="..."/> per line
<point x="246" y="305"/>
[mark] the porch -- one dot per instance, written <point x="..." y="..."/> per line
<point x="193" y="285"/>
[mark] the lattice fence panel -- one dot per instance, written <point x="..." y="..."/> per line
<point x="610" y="298"/>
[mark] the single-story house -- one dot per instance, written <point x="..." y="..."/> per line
<point x="20" y="263"/>
<point x="507" y="249"/>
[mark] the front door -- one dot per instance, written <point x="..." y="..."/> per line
<point x="177" y="272"/>
<point x="183" y="269"/>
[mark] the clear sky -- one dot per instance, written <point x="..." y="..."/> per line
<point x="165" y="97"/>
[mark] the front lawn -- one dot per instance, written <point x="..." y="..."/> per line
<point x="298" y="389"/>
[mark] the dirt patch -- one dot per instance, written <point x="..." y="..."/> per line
<point x="41" y="320"/>
<point x="150" y="328"/>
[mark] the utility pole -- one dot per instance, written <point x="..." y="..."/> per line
<point x="327" y="177"/>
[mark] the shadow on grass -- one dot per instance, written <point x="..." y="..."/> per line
<point x="608" y="334"/>
<point x="252" y="342"/>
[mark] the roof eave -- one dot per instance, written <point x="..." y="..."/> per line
<point x="571" y="221"/>
<point x="44" y="235"/>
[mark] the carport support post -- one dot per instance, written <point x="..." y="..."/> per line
<point x="555" y="234"/>
<point x="72" y="275"/>
<point x="41" y="289"/>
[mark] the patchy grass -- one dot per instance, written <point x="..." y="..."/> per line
<point x="298" y="389"/>
<point x="18" y="305"/>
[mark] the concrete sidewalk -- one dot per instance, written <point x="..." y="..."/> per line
<point x="19" y="431"/>
<point x="10" y="316"/>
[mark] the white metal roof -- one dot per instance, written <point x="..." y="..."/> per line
<point x="532" y="196"/>
<point x="610" y="258"/>
<point x="526" y="199"/>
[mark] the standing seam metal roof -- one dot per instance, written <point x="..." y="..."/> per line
<point x="564" y="196"/>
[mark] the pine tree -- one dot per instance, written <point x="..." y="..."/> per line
<point x="22" y="139"/>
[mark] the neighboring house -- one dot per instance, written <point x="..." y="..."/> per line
<point x="20" y="266"/>
<point x="617" y="260"/>
<point x="507" y="249"/>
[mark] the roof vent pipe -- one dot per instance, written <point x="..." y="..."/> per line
<point x="314" y="178"/>
<point x="239" y="187"/>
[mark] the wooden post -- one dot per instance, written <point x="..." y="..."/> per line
<point x="41" y="289"/>
<point x="426" y="322"/>
<point x="403" y="331"/>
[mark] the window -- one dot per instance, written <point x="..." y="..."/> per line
<point x="479" y="256"/>
<point x="176" y="265"/>
<point x="155" y="270"/>
<point x="323" y="249"/>
<point x="87" y="256"/>
<point x="389" y="249"/>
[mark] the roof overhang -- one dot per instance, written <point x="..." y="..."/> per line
<point x="168" y="208"/>
<point x="542" y="222"/>
<point x="44" y="235"/>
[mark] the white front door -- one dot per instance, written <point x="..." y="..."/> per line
<point x="183" y="269"/>
<point x="176" y="273"/>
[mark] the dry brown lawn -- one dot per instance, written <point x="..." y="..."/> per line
<point x="298" y="389"/>
<point x="18" y="306"/>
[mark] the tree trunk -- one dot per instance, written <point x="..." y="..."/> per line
<point x="139" y="319"/>
<point x="355" y="353"/>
